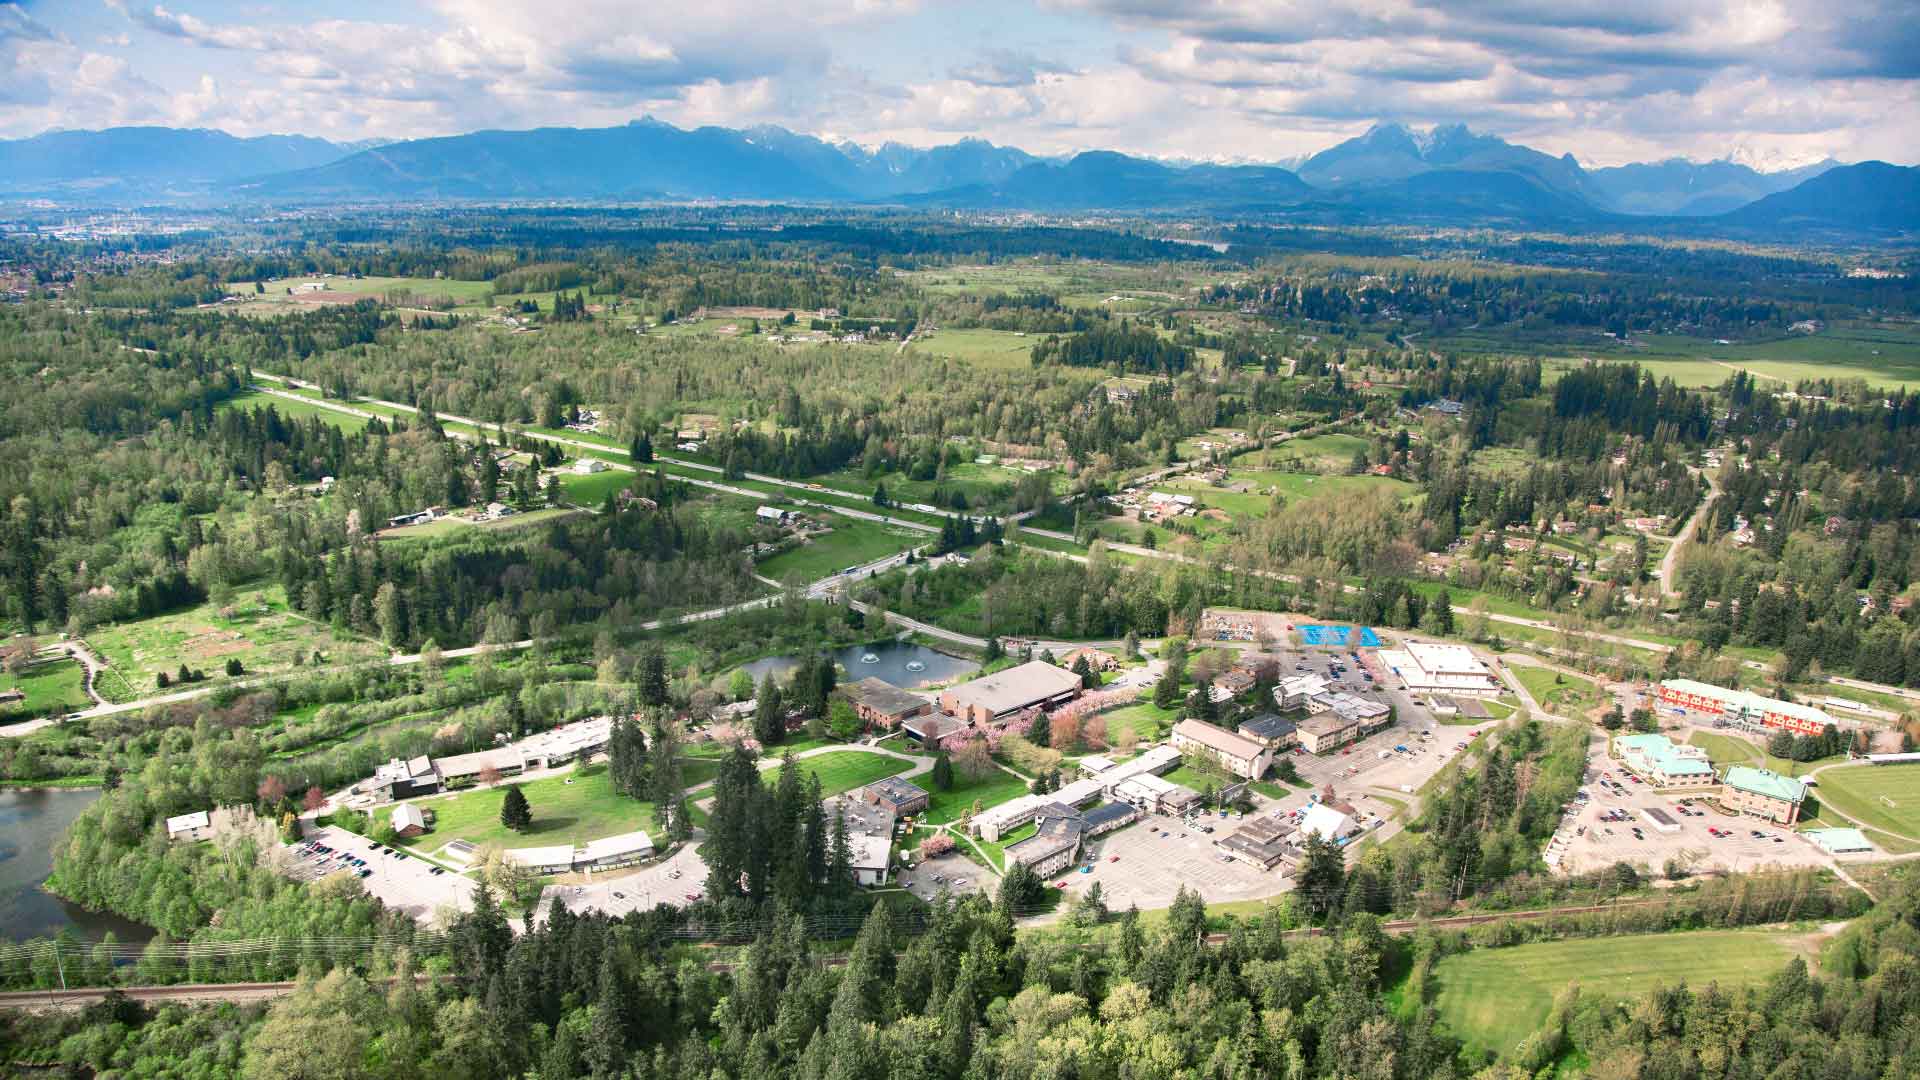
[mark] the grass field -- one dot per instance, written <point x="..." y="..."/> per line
<point x="1493" y="998"/>
<point x="1567" y="695"/>
<point x="849" y="544"/>
<point x="1144" y="719"/>
<point x="592" y="490"/>
<point x="990" y="790"/>
<point x="1857" y="791"/>
<point x="257" y="628"/>
<point x="844" y="770"/>
<point x="1328" y="452"/>
<point x="573" y="808"/>
<point x="293" y="410"/>
<point x="998" y="350"/>
<point x="55" y="687"/>
<point x="1737" y="750"/>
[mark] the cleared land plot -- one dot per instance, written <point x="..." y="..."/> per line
<point x="1564" y="694"/>
<point x="293" y="410"/>
<point x="1332" y="452"/>
<point x="851" y="543"/>
<point x="573" y="808"/>
<point x="593" y="488"/>
<point x="1145" y="719"/>
<point x="1864" y="792"/>
<point x="448" y="525"/>
<point x="257" y="628"/>
<point x="1000" y="350"/>
<point x="1493" y="998"/>
<point x="53" y="687"/>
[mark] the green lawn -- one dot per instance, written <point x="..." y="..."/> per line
<point x="593" y="489"/>
<point x="257" y="628"/>
<point x="844" y="770"/>
<point x="1493" y="998"/>
<point x="569" y="809"/>
<point x="55" y="687"/>
<point x="1145" y="719"/>
<point x="849" y="544"/>
<point x="1199" y="779"/>
<point x="1726" y="749"/>
<point x="995" y="350"/>
<point x="990" y="790"/>
<point x="1858" y="791"/>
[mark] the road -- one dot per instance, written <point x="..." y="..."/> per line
<point x="1671" y="561"/>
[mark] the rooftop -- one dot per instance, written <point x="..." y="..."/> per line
<point x="1016" y="687"/>
<point x="1765" y="782"/>
<point x="1217" y="738"/>
<point x="1267" y="726"/>
<point x="610" y="847"/>
<point x="883" y="697"/>
<point x="1326" y="723"/>
<point x="896" y="791"/>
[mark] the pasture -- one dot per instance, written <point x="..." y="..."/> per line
<point x="1885" y="355"/>
<point x="1863" y="792"/>
<point x="1493" y="998"/>
<point x="996" y="350"/>
<point x="256" y="627"/>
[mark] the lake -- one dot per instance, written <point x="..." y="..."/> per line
<point x="896" y="662"/>
<point x="30" y="823"/>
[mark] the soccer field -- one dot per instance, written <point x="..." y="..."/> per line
<point x="1863" y="792"/>
<point x="1493" y="998"/>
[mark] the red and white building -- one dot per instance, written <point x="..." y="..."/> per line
<point x="1741" y="707"/>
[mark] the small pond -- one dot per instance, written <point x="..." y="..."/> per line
<point x="31" y="822"/>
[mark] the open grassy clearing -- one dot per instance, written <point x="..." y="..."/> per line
<point x="1328" y="453"/>
<point x="1726" y="749"/>
<point x="447" y="526"/>
<point x="1862" y="792"/>
<point x="994" y="350"/>
<point x="1493" y="998"/>
<point x="293" y="410"/>
<point x="257" y="628"/>
<point x="56" y="686"/>
<point x="1145" y="719"/>
<point x="989" y="790"/>
<point x="593" y="488"/>
<point x="844" y="770"/>
<point x="1567" y="695"/>
<point x="849" y="544"/>
<point x="573" y="808"/>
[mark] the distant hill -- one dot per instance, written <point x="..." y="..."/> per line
<point x="1872" y="196"/>
<point x="1392" y="153"/>
<point x="1692" y="189"/>
<point x="1103" y="180"/>
<point x="643" y="159"/>
<point x="149" y="160"/>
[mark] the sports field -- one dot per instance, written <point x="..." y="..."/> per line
<point x="573" y="808"/>
<point x="1493" y="998"/>
<point x="1863" y="792"/>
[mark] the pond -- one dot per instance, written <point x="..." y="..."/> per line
<point x="896" y="662"/>
<point x="31" y="822"/>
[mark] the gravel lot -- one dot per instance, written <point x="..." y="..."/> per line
<point x="407" y="884"/>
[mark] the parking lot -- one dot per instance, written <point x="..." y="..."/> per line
<point x="403" y="882"/>
<point x="1150" y="868"/>
<point x="956" y="873"/>
<point x="1587" y="841"/>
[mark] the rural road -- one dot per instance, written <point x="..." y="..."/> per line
<point x="1670" y="563"/>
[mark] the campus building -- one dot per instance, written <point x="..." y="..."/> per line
<point x="1327" y="731"/>
<point x="409" y="820"/>
<point x="1155" y="794"/>
<point x="1035" y="684"/>
<point x="1263" y="841"/>
<point x="883" y="705"/>
<point x="1297" y="692"/>
<point x="190" y="827"/>
<point x="1276" y="732"/>
<point x="903" y="797"/>
<point x="1427" y="667"/>
<point x="1763" y="793"/>
<point x="1662" y="762"/>
<point x="1242" y="756"/>
<point x="1062" y="831"/>
<point x="1742" y="708"/>
<point x="869" y="837"/>
<point x="403" y="778"/>
<point x="602" y="854"/>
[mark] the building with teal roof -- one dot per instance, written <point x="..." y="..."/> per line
<point x="1763" y="793"/>
<point x="1662" y="762"/>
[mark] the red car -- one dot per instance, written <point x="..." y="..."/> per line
<point x="693" y="896"/>
<point x="1113" y="858"/>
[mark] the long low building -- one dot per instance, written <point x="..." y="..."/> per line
<point x="1243" y="757"/>
<point x="1062" y="831"/>
<point x="883" y="705"/>
<point x="604" y="853"/>
<point x="1427" y="667"/>
<point x="1035" y="684"/>
<point x="1263" y="841"/>
<point x="1741" y="707"/>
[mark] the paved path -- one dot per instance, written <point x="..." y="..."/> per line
<point x="1671" y="562"/>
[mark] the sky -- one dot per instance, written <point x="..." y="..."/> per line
<point x="1769" y="82"/>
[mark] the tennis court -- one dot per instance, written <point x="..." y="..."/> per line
<point x="1314" y="634"/>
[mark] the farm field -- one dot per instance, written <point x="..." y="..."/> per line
<point x="57" y="686"/>
<point x="849" y="544"/>
<point x="1493" y="998"/>
<point x="1884" y="355"/>
<point x="447" y="526"/>
<point x="465" y="295"/>
<point x="1330" y="453"/>
<point x="257" y="628"/>
<point x="983" y="485"/>
<point x="994" y="350"/>
<point x="1863" y="791"/>
<point x="575" y="807"/>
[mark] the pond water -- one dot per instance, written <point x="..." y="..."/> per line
<point x="31" y="822"/>
<point x="895" y="662"/>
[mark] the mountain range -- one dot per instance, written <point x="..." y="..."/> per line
<point x="1449" y="174"/>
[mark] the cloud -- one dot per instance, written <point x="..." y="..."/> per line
<point x="1007" y="68"/>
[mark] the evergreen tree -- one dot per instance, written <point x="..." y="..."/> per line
<point x="652" y="675"/>
<point x="1039" y="729"/>
<point x="515" y="814"/>
<point x="942" y="772"/>
<point x="642" y="450"/>
<point x="769" y="713"/>
<point x="1321" y="876"/>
